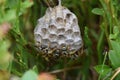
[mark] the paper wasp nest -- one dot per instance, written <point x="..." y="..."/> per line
<point x="57" y="32"/>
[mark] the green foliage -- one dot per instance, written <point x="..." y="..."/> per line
<point x="98" y="11"/>
<point x="109" y="12"/>
<point x="5" y="57"/>
<point x="100" y="29"/>
<point x="103" y="70"/>
<point x="29" y="75"/>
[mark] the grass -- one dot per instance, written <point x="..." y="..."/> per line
<point x="100" y="29"/>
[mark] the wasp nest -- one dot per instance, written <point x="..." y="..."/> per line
<point x="57" y="32"/>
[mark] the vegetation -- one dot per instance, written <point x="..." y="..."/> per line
<point x="100" y="29"/>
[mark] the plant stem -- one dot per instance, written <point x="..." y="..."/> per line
<point x="103" y="64"/>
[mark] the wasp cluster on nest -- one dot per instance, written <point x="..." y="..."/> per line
<point x="57" y="33"/>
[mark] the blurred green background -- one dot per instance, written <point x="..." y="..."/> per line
<point x="100" y="29"/>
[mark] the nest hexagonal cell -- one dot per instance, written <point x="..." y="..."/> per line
<point x="44" y="31"/>
<point x="75" y="28"/>
<point x="38" y="37"/>
<point x="68" y="16"/>
<point x="62" y="45"/>
<point x="59" y="20"/>
<point x="45" y="42"/>
<point x="68" y="34"/>
<point x="74" y="21"/>
<point x="61" y="39"/>
<point x="69" y="41"/>
<point x="77" y="45"/>
<point x="52" y="28"/>
<point x="61" y="31"/>
<point x="76" y="35"/>
<point x="54" y="44"/>
<point x="52" y="37"/>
